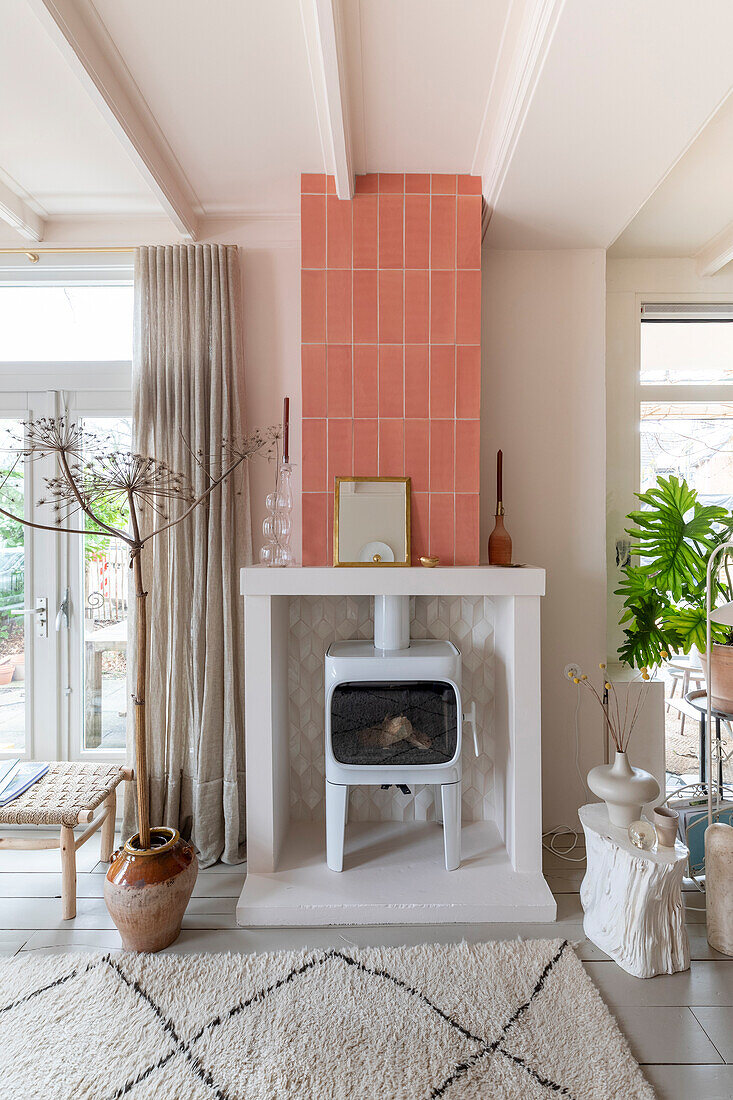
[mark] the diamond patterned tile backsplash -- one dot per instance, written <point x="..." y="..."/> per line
<point x="315" y="622"/>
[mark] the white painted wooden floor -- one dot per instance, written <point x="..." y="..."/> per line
<point x="680" y="1026"/>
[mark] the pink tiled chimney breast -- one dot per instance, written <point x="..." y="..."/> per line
<point x="391" y="352"/>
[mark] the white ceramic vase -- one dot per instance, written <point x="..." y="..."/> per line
<point x="624" y="789"/>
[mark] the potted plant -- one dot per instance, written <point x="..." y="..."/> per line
<point x="151" y="878"/>
<point x="664" y="595"/>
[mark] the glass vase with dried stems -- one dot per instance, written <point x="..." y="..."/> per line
<point x="623" y="788"/>
<point x="94" y="479"/>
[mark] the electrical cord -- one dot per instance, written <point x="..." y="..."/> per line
<point x="565" y="830"/>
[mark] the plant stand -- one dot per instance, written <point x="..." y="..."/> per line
<point x="632" y="899"/>
<point x="67" y="795"/>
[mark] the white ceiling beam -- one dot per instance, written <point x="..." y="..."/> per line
<point x="83" y="40"/>
<point x="526" y="40"/>
<point x="716" y="253"/>
<point x="16" y="212"/>
<point x="324" y="45"/>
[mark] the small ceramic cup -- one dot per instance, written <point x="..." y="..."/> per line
<point x="666" y="821"/>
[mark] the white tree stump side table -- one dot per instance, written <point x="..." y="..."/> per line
<point x="632" y="899"/>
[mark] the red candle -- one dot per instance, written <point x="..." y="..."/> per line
<point x="286" y="429"/>
<point x="499" y="471"/>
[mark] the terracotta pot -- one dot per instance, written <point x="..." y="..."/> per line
<point x="721" y="677"/>
<point x="7" y="668"/>
<point x="147" y="890"/>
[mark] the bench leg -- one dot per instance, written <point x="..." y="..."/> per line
<point x="68" y="873"/>
<point x="108" y="827"/>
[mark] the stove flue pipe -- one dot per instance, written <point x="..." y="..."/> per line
<point x="391" y="622"/>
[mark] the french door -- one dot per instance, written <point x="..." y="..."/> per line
<point x="63" y="597"/>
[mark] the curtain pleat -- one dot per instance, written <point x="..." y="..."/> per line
<point x="187" y="368"/>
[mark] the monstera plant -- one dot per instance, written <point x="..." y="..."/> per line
<point x="673" y="536"/>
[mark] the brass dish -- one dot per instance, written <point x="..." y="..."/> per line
<point x="430" y="562"/>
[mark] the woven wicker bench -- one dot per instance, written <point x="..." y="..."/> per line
<point x="67" y="795"/>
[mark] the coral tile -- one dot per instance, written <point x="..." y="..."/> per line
<point x="339" y="231"/>
<point x="312" y="183"/>
<point x="417" y="380"/>
<point x="443" y="307"/>
<point x="468" y="457"/>
<point x="468" y="381"/>
<point x="391" y="448"/>
<point x="366" y="448"/>
<point x="417" y="307"/>
<point x="417" y="231"/>
<point x="467" y="550"/>
<point x="468" y="249"/>
<point x="365" y="231"/>
<point x="366" y="381"/>
<point x="442" y="381"/>
<point x="391" y="292"/>
<point x="313" y="381"/>
<point x="339" y="380"/>
<point x="330" y="185"/>
<point x="314" y="455"/>
<point x="469" y="185"/>
<point x="417" y="453"/>
<point x="365" y="307"/>
<point x="420" y="525"/>
<point x="442" y="184"/>
<point x="339" y="307"/>
<point x="366" y="184"/>
<point x="391" y="183"/>
<point x="390" y="230"/>
<point x="340" y="450"/>
<point x="329" y="529"/>
<point x="313" y="307"/>
<point x="313" y="230"/>
<point x="441" y="455"/>
<point x="443" y="231"/>
<point x="468" y="307"/>
<point x="417" y="183"/>
<point x="391" y="380"/>
<point x="315" y="532"/>
<point x="442" y="526"/>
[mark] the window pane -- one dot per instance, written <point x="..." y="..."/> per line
<point x="692" y="353"/>
<point x="106" y="572"/>
<point x="65" y="323"/>
<point x="12" y="594"/>
<point x="693" y="441"/>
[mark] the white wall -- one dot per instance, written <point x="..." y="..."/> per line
<point x="543" y="403"/>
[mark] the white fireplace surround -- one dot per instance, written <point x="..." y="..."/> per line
<point x="393" y="870"/>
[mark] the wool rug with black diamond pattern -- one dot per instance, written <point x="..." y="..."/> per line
<point x="476" y="1022"/>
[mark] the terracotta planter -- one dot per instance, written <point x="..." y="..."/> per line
<point x="147" y="891"/>
<point x="7" y="668"/>
<point x="720" y="678"/>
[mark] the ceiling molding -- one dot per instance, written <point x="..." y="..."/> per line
<point x="84" y="41"/>
<point x="526" y="39"/>
<point x="322" y="28"/>
<point x="714" y="255"/>
<point x="16" y="212"/>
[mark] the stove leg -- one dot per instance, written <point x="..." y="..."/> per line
<point x="438" y="800"/>
<point x="451" y="798"/>
<point x="337" y="797"/>
<point x="346" y="808"/>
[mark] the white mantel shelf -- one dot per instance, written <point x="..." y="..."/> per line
<point x="455" y="580"/>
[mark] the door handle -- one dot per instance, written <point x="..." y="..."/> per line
<point x="62" y="615"/>
<point x="41" y="610"/>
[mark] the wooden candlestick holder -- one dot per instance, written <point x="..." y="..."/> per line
<point x="500" y="543"/>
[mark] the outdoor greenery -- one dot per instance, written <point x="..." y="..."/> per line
<point x="673" y="536"/>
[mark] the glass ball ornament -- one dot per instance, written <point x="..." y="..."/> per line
<point x="643" y="835"/>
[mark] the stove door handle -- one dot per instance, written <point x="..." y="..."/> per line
<point x="470" y="717"/>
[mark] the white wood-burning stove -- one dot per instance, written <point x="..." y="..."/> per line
<point x="393" y="716"/>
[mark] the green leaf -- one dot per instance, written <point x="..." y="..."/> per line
<point x="675" y="535"/>
<point x="649" y="636"/>
<point x="688" y="623"/>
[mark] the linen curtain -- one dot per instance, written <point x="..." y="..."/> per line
<point x="187" y="379"/>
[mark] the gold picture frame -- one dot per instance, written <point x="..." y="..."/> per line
<point x="364" y="522"/>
